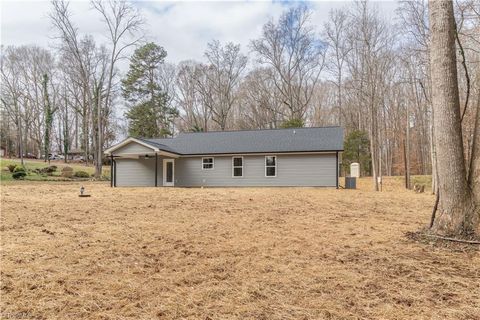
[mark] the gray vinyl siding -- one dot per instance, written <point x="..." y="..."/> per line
<point x="138" y="172"/>
<point x="133" y="147"/>
<point x="292" y="170"/>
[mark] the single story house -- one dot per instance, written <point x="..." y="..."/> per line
<point x="277" y="157"/>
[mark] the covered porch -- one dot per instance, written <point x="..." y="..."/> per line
<point x="134" y="163"/>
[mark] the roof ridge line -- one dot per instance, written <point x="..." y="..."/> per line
<point x="246" y="130"/>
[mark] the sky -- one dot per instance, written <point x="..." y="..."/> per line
<point x="183" y="28"/>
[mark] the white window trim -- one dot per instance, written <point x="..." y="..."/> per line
<point x="233" y="167"/>
<point x="164" y="178"/>
<point x="213" y="163"/>
<point x="275" y="166"/>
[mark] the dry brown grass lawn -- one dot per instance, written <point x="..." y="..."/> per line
<point x="253" y="253"/>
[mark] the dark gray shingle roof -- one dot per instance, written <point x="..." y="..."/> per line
<point x="161" y="146"/>
<point x="253" y="141"/>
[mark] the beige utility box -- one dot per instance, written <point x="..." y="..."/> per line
<point x="355" y="170"/>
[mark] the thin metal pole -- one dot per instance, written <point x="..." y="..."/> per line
<point x="114" y="173"/>
<point x="156" y="170"/>
<point x="337" y="168"/>
<point x="111" y="171"/>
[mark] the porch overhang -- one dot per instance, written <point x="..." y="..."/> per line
<point x="143" y="155"/>
<point x="152" y="150"/>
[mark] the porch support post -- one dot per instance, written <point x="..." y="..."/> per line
<point x="114" y="173"/>
<point x="111" y="171"/>
<point x="156" y="169"/>
<point x="337" y="168"/>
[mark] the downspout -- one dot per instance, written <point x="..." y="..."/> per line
<point x="336" y="167"/>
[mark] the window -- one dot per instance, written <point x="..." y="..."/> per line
<point x="237" y="165"/>
<point x="270" y="166"/>
<point x="207" y="163"/>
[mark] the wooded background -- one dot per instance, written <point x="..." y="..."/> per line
<point x="359" y="70"/>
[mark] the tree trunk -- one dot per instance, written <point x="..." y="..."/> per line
<point x="407" y="152"/>
<point x="77" y="129"/>
<point x="433" y="156"/>
<point x="25" y="137"/>
<point x="373" y="147"/>
<point x="19" y="132"/>
<point x="407" y="178"/>
<point x="66" y="139"/>
<point x="456" y="207"/>
<point x="374" y="150"/>
<point x="99" y="137"/>
<point x="474" y="172"/>
<point x="85" y="127"/>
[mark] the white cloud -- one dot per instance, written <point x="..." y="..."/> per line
<point x="182" y="28"/>
<point x="185" y="28"/>
<point x="27" y="22"/>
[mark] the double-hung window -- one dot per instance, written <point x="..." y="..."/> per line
<point x="270" y="166"/>
<point x="207" y="163"/>
<point x="237" y="166"/>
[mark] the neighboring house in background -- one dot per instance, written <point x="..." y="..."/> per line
<point x="277" y="157"/>
<point x="76" y="154"/>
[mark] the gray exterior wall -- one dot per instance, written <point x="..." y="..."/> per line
<point x="133" y="148"/>
<point x="138" y="172"/>
<point x="292" y="170"/>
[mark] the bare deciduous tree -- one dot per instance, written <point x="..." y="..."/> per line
<point x="123" y="22"/>
<point x="336" y="33"/>
<point x="292" y="48"/>
<point x="194" y="114"/>
<point x="12" y="93"/>
<point x="221" y="78"/>
<point x="260" y="104"/>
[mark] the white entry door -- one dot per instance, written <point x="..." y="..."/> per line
<point x="168" y="172"/>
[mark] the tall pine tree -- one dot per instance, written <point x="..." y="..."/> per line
<point x="49" y="112"/>
<point x="149" y="116"/>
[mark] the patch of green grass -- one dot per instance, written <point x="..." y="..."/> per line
<point x="5" y="175"/>
<point x="31" y="165"/>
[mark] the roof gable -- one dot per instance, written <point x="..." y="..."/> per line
<point x="133" y="148"/>
<point x="131" y="143"/>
